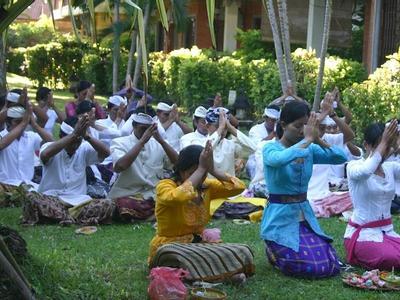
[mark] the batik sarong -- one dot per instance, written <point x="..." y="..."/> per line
<point x="40" y="208"/>
<point x="206" y="262"/>
<point x="316" y="258"/>
<point x="131" y="208"/>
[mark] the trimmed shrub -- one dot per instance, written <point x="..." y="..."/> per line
<point x="16" y="61"/>
<point x="378" y="97"/>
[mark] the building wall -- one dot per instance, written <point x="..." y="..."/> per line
<point x="249" y="10"/>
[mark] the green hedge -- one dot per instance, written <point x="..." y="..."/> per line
<point x="16" y="61"/>
<point x="378" y="98"/>
<point x="189" y="77"/>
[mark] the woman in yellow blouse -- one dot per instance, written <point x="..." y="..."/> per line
<point x="183" y="203"/>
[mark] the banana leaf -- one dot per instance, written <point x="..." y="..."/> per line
<point x="210" y="14"/>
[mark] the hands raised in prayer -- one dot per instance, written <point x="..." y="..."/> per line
<point x="389" y="139"/>
<point x="311" y="130"/>
<point x="82" y="125"/>
<point x="206" y="160"/>
<point x="149" y="132"/>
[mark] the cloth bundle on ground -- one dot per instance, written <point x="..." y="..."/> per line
<point x="131" y="208"/>
<point x="236" y="210"/>
<point x="40" y="208"/>
<point x="332" y="205"/>
<point x="206" y="262"/>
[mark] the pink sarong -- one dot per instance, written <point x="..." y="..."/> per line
<point x="332" y="205"/>
<point x="373" y="255"/>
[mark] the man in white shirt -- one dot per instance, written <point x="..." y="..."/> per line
<point x="64" y="193"/>
<point x="169" y="120"/>
<point x="262" y="132"/>
<point x="199" y="136"/>
<point x="226" y="151"/>
<point x="44" y="97"/>
<point x="110" y="129"/>
<point x="266" y="130"/>
<point x="18" y="146"/>
<point x="139" y="159"/>
<point x="322" y="200"/>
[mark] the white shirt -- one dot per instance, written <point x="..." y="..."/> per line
<point x="258" y="132"/>
<point x="65" y="176"/>
<point x="226" y="150"/>
<point x="318" y="187"/>
<point x="371" y="195"/>
<point x="144" y="173"/>
<point x="52" y="118"/>
<point x="259" y="176"/>
<point x="173" y="135"/>
<point x="193" y="138"/>
<point x="110" y="132"/>
<point x="17" y="160"/>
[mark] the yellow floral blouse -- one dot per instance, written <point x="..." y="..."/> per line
<point x="180" y="213"/>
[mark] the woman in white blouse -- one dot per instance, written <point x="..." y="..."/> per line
<point x="370" y="240"/>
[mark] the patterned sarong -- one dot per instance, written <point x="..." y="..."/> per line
<point x="132" y="208"/>
<point x="316" y="258"/>
<point x="206" y="262"/>
<point x="40" y="208"/>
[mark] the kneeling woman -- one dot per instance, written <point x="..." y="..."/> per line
<point x="182" y="212"/>
<point x="370" y="240"/>
<point x="295" y="243"/>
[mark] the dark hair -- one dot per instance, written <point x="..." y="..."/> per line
<point x="373" y="133"/>
<point x="110" y="105"/>
<point x="84" y="107"/>
<point x="188" y="157"/>
<point x="291" y="112"/>
<point x="71" y="121"/>
<point x="83" y="85"/>
<point x="274" y="106"/>
<point x="17" y="91"/>
<point x="42" y="93"/>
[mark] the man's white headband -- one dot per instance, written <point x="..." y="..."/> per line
<point x="142" y="118"/>
<point x="67" y="129"/>
<point x="164" y="106"/>
<point x="13" y="97"/>
<point x="271" y="113"/>
<point x="15" y="112"/>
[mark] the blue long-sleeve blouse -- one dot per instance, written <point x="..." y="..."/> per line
<point x="288" y="171"/>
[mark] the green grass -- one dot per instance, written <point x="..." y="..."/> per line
<point x="60" y="97"/>
<point x="111" y="264"/>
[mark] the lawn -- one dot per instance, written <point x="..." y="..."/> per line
<point x="111" y="263"/>
<point x="60" y="97"/>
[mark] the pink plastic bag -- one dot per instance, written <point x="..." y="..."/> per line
<point x="166" y="284"/>
<point x="211" y="235"/>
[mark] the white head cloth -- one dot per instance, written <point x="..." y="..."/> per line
<point x="200" y="112"/>
<point x="117" y="100"/>
<point x="13" y="97"/>
<point x="271" y="113"/>
<point x="142" y="118"/>
<point x="289" y="98"/>
<point x="15" y="112"/>
<point x="164" y="106"/>
<point x="67" y="129"/>
<point x="328" y="121"/>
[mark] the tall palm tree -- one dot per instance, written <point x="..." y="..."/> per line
<point x="324" y="47"/>
<point x="282" y="7"/>
<point x="116" y="45"/>
<point x="269" y="6"/>
<point x="3" y="78"/>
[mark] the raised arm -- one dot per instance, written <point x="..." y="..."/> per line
<point x="102" y="149"/>
<point x="126" y="160"/>
<point x="15" y="133"/>
<point x="54" y="148"/>
<point x="60" y="115"/>
<point x="171" y="153"/>
<point x="46" y="137"/>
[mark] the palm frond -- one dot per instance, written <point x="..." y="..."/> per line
<point x="71" y="14"/>
<point x="163" y="13"/>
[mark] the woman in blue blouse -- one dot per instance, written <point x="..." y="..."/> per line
<point x="295" y="243"/>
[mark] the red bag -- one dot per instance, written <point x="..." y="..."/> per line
<point x="166" y="284"/>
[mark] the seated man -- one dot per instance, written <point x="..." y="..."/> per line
<point x="169" y="120"/>
<point x="264" y="131"/>
<point x="139" y="159"/>
<point x="64" y="196"/>
<point x="199" y="136"/>
<point x="18" y="146"/>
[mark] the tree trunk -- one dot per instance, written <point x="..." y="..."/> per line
<point x="286" y="41"/>
<point x="132" y="50"/>
<point x="138" y="64"/>
<point x="324" y="47"/>
<point x="3" y="67"/>
<point x="116" y="47"/>
<point x="277" y="42"/>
